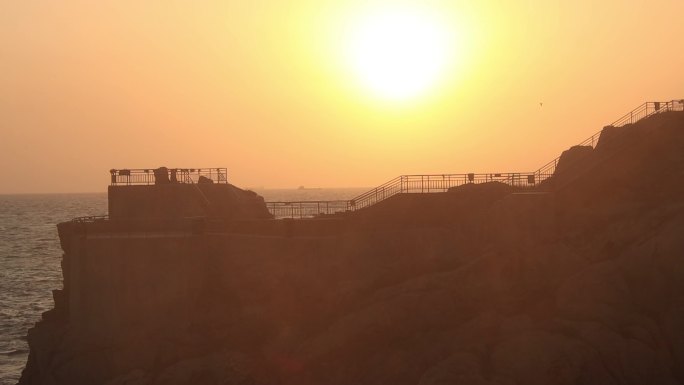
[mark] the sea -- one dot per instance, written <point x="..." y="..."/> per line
<point x="30" y="257"/>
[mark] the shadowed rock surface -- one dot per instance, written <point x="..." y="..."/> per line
<point x="581" y="282"/>
<point x="178" y="200"/>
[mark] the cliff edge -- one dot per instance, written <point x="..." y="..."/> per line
<point x="578" y="282"/>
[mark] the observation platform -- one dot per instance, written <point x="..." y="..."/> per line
<point x="180" y="193"/>
<point x="163" y="175"/>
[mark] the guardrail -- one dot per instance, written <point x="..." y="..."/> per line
<point x="442" y="182"/>
<point x="163" y="175"/>
<point x="404" y="184"/>
<point x="91" y="218"/>
<point x="644" y="111"/>
<point x="647" y="109"/>
<point x="436" y="183"/>
<point x="306" y="209"/>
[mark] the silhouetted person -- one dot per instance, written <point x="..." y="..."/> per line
<point x="174" y="178"/>
<point x="161" y="175"/>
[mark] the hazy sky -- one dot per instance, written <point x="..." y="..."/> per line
<point x="264" y="88"/>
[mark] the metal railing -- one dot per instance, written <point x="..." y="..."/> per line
<point x="404" y="184"/>
<point x="442" y="182"/>
<point x="647" y="109"/>
<point x="148" y="176"/>
<point x="644" y="111"/>
<point x="91" y="218"/>
<point x="436" y="183"/>
<point x="306" y="209"/>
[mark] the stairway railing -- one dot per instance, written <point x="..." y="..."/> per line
<point x="644" y="111"/>
<point x="408" y="184"/>
<point x="404" y="184"/>
<point x="442" y="182"/>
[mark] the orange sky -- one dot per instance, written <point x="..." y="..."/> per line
<point x="262" y="88"/>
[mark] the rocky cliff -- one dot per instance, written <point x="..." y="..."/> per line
<point x="580" y="282"/>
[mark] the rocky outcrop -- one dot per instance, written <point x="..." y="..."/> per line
<point x="571" y="157"/>
<point x="182" y="200"/>
<point x="579" y="285"/>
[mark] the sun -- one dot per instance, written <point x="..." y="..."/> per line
<point x="399" y="54"/>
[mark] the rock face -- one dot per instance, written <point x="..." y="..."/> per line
<point x="583" y="284"/>
<point x="180" y="200"/>
<point x="570" y="157"/>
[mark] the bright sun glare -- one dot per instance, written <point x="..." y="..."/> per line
<point x="399" y="54"/>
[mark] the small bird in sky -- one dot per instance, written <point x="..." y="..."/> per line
<point x="540" y="104"/>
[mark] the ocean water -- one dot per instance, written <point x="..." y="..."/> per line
<point x="30" y="258"/>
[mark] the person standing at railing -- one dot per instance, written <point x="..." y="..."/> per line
<point x="161" y="175"/>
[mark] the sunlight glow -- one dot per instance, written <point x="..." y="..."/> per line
<point x="399" y="54"/>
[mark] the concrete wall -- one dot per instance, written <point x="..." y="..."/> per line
<point x="155" y="201"/>
<point x="178" y="200"/>
<point x="166" y="283"/>
<point x="116" y="283"/>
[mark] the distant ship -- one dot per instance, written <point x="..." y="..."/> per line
<point x="308" y="188"/>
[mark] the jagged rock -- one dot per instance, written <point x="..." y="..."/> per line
<point x="570" y="158"/>
<point x="182" y="200"/>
